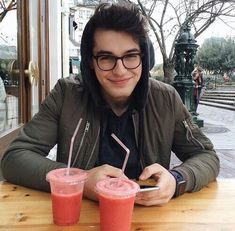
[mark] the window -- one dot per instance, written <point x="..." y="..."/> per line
<point x="80" y="26"/>
<point x="80" y="13"/>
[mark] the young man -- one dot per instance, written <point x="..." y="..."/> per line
<point x="115" y="95"/>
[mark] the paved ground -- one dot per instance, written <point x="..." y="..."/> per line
<point x="219" y="126"/>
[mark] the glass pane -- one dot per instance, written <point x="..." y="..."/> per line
<point x="9" y="78"/>
<point x="33" y="25"/>
<point x="78" y="17"/>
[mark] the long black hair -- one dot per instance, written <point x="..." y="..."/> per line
<point x="119" y="17"/>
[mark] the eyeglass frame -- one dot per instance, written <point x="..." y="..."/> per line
<point x="96" y="57"/>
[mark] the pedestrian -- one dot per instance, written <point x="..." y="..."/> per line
<point x="198" y="78"/>
<point x="114" y="94"/>
<point x="225" y="77"/>
<point x="3" y="96"/>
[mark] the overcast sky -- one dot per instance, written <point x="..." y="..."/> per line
<point x="217" y="29"/>
<point x="8" y="29"/>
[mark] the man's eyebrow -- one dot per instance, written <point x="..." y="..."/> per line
<point x="103" y="52"/>
<point x="133" y="50"/>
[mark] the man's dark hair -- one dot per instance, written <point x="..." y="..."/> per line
<point x="121" y="18"/>
<point x="126" y="18"/>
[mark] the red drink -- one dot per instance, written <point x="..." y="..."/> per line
<point x="116" y="213"/>
<point x="66" y="208"/>
<point x="66" y="192"/>
<point x="116" y="201"/>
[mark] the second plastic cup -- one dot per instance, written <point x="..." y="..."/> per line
<point x="66" y="193"/>
<point x="116" y="202"/>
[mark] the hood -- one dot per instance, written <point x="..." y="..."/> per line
<point x="91" y="83"/>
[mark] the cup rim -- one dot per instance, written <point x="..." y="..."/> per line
<point x="59" y="175"/>
<point x="131" y="187"/>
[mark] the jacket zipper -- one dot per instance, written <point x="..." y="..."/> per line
<point x="81" y="143"/>
<point x="92" y="152"/>
<point x="190" y="135"/>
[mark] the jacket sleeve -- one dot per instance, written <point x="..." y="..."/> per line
<point x="25" y="161"/>
<point x="200" y="163"/>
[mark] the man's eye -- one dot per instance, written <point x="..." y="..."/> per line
<point x="131" y="56"/>
<point x="105" y="58"/>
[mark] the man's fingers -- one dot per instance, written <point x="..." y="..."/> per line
<point x="112" y="171"/>
<point x="154" y="169"/>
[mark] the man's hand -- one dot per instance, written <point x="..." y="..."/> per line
<point x="164" y="180"/>
<point x="97" y="174"/>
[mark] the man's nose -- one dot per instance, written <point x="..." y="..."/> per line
<point x="119" y="68"/>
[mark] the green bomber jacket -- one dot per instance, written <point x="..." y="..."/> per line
<point x="168" y="128"/>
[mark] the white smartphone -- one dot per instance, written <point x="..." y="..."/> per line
<point x="147" y="188"/>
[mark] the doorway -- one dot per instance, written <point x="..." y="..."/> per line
<point x="23" y="84"/>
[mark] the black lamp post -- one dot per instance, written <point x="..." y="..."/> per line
<point x="185" y="51"/>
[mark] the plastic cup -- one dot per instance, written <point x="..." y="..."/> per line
<point x="116" y="203"/>
<point x="66" y="194"/>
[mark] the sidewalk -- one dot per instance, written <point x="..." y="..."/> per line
<point x="219" y="126"/>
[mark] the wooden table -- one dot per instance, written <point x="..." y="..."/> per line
<point x="212" y="208"/>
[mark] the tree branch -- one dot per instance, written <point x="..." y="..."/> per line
<point x="12" y="6"/>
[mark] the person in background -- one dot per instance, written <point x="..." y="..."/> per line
<point x="114" y="94"/>
<point x="3" y="96"/>
<point x="226" y="77"/>
<point x="198" y="78"/>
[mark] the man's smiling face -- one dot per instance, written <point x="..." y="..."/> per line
<point x="117" y="84"/>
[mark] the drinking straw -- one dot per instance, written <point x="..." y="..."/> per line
<point x="125" y="148"/>
<point x="71" y="145"/>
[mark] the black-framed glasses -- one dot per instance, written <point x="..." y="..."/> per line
<point x="107" y="62"/>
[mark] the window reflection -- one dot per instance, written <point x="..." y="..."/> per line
<point x="9" y="80"/>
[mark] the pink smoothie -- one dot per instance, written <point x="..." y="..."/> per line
<point x="116" y="201"/>
<point x="66" y="208"/>
<point x="66" y="193"/>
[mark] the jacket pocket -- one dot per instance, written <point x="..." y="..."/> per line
<point x="196" y="136"/>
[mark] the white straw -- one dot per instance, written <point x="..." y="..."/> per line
<point x="125" y="148"/>
<point x="71" y="145"/>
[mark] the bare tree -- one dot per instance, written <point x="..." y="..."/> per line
<point x="166" y="18"/>
<point x="6" y="6"/>
<point x="96" y="2"/>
